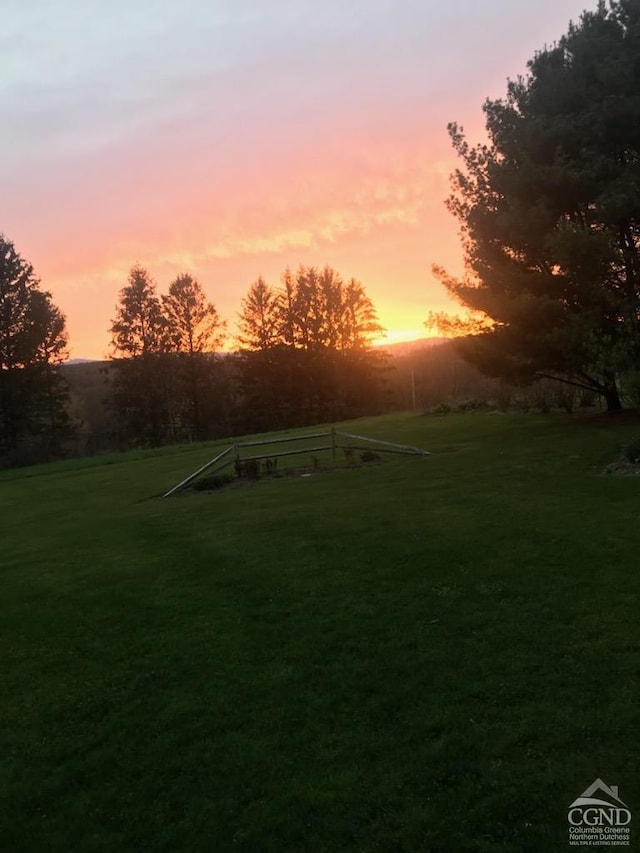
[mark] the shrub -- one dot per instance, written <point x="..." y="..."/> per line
<point x="523" y="401"/>
<point x="440" y="409"/>
<point x="504" y="396"/>
<point x="472" y="405"/>
<point x="542" y="397"/>
<point x="270" y="467"/>
<point x="249" y="469"/>
<point x="632" y="451"/>
<point x="216" y="481"/>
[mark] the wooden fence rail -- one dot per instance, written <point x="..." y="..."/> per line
<point x="282" y="440"/>
<point x="373" y="443"/>
<point x="197" y="473"/>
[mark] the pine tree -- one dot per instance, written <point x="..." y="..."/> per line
<point x="550" y="213"/>
<point x="34" y="422"/>
<point x="140" y="327"/>
<point x="259" y="321"/>
<point x="196" y="332"/>
<point x="193" y="322"/>
<point x="142" y="370"/>
<point x="307" y="353"/>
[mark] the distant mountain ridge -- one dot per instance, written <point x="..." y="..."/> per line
<point x="410" y="347"/>
<point x="400" y="348"/>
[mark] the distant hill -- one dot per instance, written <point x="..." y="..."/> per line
<point x="398" y="349"/>
<point x="403" y="348"/>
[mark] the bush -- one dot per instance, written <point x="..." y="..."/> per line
<point x="632" y="451"/>
<point x="524" y="401"/>
<point x="541" y="397"/>
<point x="504" y="396"/>
<point x="216" y="481"/>
<point x="270" y="467"/>
<point x="440" y="409"/>
<point x="472" y="405"/>
<point x="250" y="469"/>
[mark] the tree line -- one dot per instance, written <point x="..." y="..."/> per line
<point x="304" y="354"/>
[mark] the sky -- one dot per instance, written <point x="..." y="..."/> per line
<point x="233" y="138"/>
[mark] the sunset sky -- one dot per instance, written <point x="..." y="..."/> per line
<point x="231" y="138"/>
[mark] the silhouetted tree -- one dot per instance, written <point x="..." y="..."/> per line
<point x="140" y="327"/>
<point x="195" y="331"/>
<point x="34" y="422"/>
<point x="359" y="324"/>
<point x="550" y="212"/>
<point x="318" y="311"/>
<point x="260" y="318"/>
<point x="142" y="374"/>
<point x="193" y="322"/>
<point x="306" y="350"/>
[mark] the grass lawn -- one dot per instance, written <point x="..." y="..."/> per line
<point x="430" y="654"/>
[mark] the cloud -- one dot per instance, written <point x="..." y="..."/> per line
<point x="310" y="206"/>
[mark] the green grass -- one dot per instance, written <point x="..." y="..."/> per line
<point x="430" y="654"/>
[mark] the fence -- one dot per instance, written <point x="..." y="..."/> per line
<point x="223" y="459"/>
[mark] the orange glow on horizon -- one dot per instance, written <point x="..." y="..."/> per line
<point x="403" y="336"/>
<point x="384" y="225"/>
